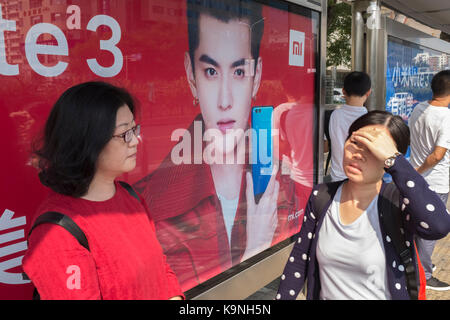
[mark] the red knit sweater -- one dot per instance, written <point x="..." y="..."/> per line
<point x="125" y="260"/>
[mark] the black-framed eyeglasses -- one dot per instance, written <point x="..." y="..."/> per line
<point x="127" y="136"/>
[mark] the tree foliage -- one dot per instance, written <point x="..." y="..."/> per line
<point x="339" y="29"/>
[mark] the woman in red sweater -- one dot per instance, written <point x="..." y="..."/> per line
<point x="90" y="139"/>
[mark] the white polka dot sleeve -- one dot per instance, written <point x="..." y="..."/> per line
<point x="295" y="271"/>
<point x="424" y="213"/>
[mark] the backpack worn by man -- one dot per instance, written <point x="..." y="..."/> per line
<point x="391" y="221"/>
<point x="68" y="224"/>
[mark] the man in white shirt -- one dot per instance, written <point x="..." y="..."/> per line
<point x="430" y="141"/>
<point x="356" y="91"/>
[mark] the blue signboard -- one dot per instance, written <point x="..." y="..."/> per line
<point x="409" y="71"/>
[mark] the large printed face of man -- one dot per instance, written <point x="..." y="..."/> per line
<point x="221" y="80"/>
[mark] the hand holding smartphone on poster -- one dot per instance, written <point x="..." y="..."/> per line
<point x="262" y="217"/>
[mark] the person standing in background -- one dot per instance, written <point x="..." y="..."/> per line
<point x="356" y="91"/>
<point x="430" y="140"/>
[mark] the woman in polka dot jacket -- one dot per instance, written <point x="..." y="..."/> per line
<point x="343" y="251"/>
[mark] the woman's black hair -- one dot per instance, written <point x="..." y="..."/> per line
<point x="395" y="124"/>
<point x="79" y="126"/>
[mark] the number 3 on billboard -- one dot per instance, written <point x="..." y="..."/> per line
<point x="109" y="45"/>
<point x="33" y="49"/>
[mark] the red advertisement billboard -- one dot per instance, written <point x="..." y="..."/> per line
<point x="197" y="71"/>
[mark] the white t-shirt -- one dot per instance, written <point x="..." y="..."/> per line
<point x="229" y="208"/>
<point x="430" y="127"/>
<point x="340" y="122"/>
<point x="352" y="261"/>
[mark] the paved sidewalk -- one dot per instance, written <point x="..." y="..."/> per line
<point x="441" y="258"/>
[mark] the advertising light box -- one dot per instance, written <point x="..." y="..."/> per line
<point x="214" y="81"/>
<point x="410" y="68"/>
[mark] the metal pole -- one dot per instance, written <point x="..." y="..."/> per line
<point x="322" y="75"/>
<point x="358" y="52"/>
<point x="376" y="55"/>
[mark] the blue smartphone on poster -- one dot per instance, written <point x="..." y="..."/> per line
<point x="262" y="149"/>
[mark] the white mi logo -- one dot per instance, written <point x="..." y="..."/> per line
<point x="296" y="48"/>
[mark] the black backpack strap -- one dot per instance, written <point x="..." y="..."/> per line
<point x="130" y="190"/>
<point x="63" y="221"/>
<point x="68" y="224"/>
<point x="389" y="201"/>
<point x="325" y="192"/>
